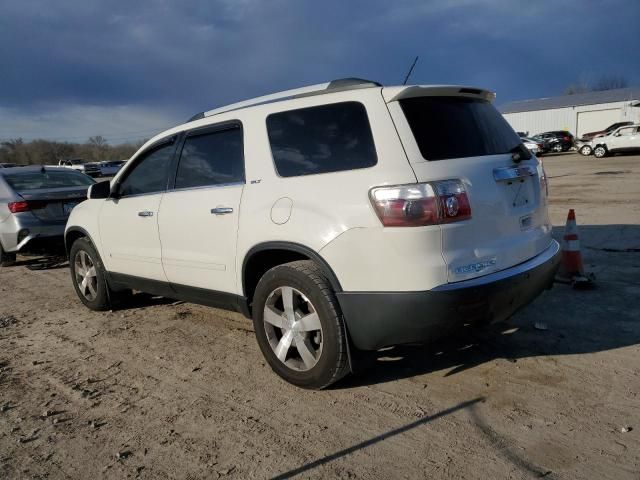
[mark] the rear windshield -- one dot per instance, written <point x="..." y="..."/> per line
<point x="39" y="180"/>
<point x="457" y="127"/>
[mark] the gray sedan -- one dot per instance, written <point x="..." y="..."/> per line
<point x="35" y="203"/>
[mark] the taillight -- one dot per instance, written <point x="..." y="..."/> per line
<point x="17" y="207"/>
<point x="421" y="204"/>
<point x="566" y="139"/>
<point x="544" y="183"/>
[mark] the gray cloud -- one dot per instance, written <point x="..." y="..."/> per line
<point x="172" y="59"/>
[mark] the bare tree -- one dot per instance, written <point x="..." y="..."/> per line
<point x="606" y="82"/>
<point x="610" y="82"/>
<point x="576" y="88"/>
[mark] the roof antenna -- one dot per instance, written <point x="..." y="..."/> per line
<point x="410" y="71"/>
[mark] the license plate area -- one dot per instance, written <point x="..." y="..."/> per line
<point x="517" y="185"/>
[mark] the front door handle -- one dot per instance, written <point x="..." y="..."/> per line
<point x="221" y="210"/>
<point x="145" y="213"/>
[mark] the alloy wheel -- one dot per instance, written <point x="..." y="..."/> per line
<point x="293" y="328"/>
<point x="85" y="275"/>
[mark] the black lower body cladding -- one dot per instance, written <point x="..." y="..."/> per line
<point x="379" y="319"/>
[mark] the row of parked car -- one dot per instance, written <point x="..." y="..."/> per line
<point x="620" y="137"/>
<point x="107" y="168"/>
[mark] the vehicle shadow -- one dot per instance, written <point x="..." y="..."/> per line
<point x="562" y="321"/>
<point x="46" y="262"/>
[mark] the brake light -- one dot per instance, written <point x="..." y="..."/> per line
<point x="544" y="183"/>
<point x="566" y="139"/>
<point x="421" y="204"/>
<point x="17" y="207"/>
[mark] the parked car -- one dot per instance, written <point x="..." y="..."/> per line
<point x="35" y="203"/>
<point x="534" y="146"/>
<point x="339" y="217"/>
<point x="110" y="168"/>
<point x="556" y="141"/>
<point x="8" y="165"/>
<point x="622" y="140"/>
<point x="88" y="168"/>
<point x="591" y="135"/>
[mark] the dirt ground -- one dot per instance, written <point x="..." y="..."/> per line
<point x="163" y="390"/>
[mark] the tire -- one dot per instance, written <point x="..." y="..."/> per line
<point x="93" y="292"/>
<point x="557" y="148"/>
<point x="6" y="258"/>
<point x="600" y="151"/>
<point x="586" y="150"/>
<point x="323" y="358"/>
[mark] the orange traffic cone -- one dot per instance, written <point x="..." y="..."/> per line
<point x="572" y="267"/>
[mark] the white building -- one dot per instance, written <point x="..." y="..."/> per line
<point x="579" y="114"/>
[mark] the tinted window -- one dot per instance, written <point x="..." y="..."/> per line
<point x="211" y="159"/>
<point x="456" y="127"/>
<point x="38" y="180"/>
<point x="150" y="174"/>
<point x="328" y="138"/>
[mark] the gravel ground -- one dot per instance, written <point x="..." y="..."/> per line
<point x="171" y="390"/>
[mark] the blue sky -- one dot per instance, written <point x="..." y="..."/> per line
<point x="127" y="69"/>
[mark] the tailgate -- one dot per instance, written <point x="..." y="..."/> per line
<point x="456" y="133"/>
<point x="54" y="206"/>
<point x="509" y="222"/>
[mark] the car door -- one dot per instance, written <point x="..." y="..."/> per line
<point x="622" y="139"/>
<point x="198" y="218"/>
<point x="129" y="218"/>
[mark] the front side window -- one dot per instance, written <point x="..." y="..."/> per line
<point x="458" y="127"/>
<point x="327" y="138"/>
<point x="626" y="131"/>
<point x="209" y="159"/>
<point x="150" y="174"/>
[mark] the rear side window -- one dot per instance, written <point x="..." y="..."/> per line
<point x="209" y="159"/>
<point x="327" y="138"/>
<point x="458" y="127"/>
<point x="150" y="174"/>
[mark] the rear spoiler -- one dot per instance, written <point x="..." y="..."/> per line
<point x="393" y="94"/>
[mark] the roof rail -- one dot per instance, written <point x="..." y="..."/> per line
<point x="320" y="88"/>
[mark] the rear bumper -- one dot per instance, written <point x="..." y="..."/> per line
<point x="24" y="233"/>
<point x="379" y="319"/>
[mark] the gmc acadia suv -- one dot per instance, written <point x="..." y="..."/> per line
<point x="339" y="216"/>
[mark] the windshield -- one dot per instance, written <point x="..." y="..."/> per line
<point x="456" y="127"/>
<point x="39" y="180"/>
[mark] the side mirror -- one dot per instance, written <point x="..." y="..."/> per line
<point x="99" y="190"/>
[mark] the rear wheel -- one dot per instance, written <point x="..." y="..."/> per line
<point x="600" y="151"/>
<point x="6" y="258"/>
<point x="557" y="148"/>
<point x="299" y="326"/>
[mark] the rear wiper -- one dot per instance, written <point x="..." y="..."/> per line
<point x="519" y="153"/>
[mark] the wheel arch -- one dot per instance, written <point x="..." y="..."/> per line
<point x="72" y="234"/>
<point x="264" y="256"/>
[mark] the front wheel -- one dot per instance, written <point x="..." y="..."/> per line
<point x="586" y="150"/>
<point x="88" y="275"/>
<point x="299" y="327"/>
<point x="600" y="151"/>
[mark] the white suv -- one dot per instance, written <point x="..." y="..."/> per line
<point x="622" y="140"/>
<point x="340" y="217"/>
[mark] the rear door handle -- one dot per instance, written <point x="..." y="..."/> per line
<point x="145" y="213"/>
<point x="221" y="210"/>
